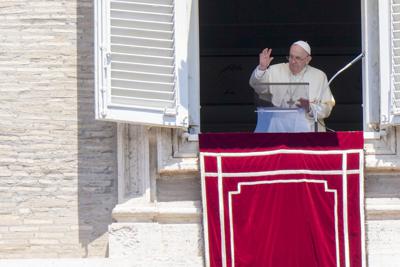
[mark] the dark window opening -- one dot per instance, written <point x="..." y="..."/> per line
<point x="232" y="34"/>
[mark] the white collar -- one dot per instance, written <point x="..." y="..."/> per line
<point x="300" y="74"/>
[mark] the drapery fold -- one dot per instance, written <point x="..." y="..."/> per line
<point x="284" y="199"/>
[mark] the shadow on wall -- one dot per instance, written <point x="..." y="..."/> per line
<point x="382" y="186"/>
<point x="97" y="157"/>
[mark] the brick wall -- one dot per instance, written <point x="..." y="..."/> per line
<point x="57" y="164"/>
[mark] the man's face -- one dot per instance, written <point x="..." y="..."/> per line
<point x="298" y="59"/>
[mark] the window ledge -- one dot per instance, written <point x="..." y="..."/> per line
<point x="182" y="211"/>
<point x="374" y="135"/>
<point x="382" y="163"/>
<point x="383" y="208"/>
<point x="177" y="166"/>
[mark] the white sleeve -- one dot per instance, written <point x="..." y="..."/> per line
<point x="259" y="73"/>
<point x="257" y="78"/>
<point x="326" y="102"/>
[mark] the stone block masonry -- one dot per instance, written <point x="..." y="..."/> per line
<point x="57" y="164"/>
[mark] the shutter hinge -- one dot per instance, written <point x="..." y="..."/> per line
<point x="103" y="102"/>
<point x="375" y="135"/>
<point x="108" y="58"/>
<point x="170" y="112"/>
<point x="191" y="135"/>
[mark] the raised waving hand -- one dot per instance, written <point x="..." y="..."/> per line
<point x="265" y="59"/>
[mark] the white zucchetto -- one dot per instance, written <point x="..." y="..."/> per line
<point x="303" y="45"/>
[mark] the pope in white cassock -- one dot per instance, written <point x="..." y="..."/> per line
<point x="319" y="100"/>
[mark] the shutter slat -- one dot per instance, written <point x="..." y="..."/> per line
<point x="396" y="51"/>
<point x="396" y="35"/>
<point x="143" y="50"/>
<point x="142" y="67"/>
<point x="141" y="24"/>
<point x="145" y="16"/>
<point x="397" y="86"/>
<point x="144" y="94"/>
<point x="141" y="102"/>
<point x="142" y="7"/>
<point x="163" y="35"/>
<point x="142" y="76"/>
<point x="136" y="41"/>
<point x="130" y="84"/>
<point x="395" y="40"/>
<point x="160" y="61"/>
<point x="151" y="2"/>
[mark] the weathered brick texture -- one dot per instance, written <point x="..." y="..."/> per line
<point x="57" y="164"/>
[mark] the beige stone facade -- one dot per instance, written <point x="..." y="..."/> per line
<point x="57" y="164"/>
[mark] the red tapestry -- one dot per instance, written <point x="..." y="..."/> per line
<point x="283" y="200"/>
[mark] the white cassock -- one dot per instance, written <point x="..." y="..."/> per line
<point x="319" y="93"/>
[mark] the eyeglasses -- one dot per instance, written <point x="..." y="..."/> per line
<point x="291" y="57"/>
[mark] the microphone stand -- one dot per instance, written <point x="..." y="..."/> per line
<point x="346" y="67"/>
<point x="314" y="109"/>
<point x="315" y="118"/>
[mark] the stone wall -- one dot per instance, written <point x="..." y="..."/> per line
<point x="57" y="164"/>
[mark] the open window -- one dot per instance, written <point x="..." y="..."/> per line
<point x="147" y="59"/>
<point x="233" y="33"/>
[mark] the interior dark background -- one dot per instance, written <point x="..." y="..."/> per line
<point x="232" y="34"/>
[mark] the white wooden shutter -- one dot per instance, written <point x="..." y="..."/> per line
<point x="141" y="61"/>
<point x="389" y="41"/>
<point x="396" y="56"/>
